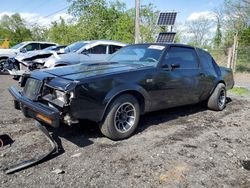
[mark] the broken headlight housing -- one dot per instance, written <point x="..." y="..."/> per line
<point x="59" y="95"/>
<point x="55" y="97"/>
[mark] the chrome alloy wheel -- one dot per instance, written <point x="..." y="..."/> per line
<point x="222" y="98"/>
<point x="125" y="116"/>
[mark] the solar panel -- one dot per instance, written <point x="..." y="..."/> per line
<point x="166" y="37"/>
<point x="167" y="18"/>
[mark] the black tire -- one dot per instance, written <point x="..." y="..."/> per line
<point x="112" y="126"/>
<point x="2" y="62"/>
<point x="217" y="101"/>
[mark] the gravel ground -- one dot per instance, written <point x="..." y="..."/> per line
<point x="182" y="147"/>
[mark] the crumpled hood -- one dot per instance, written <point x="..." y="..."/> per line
<point x="22" y="56"/>
<point x="84" y="70"/>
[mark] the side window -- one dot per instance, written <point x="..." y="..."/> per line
<point x="46" y="45"/>
<point x="114" y="48"/>
<point x="100" y="49"/>
<point x="32" y="46"/>
<point x="185" y="57"/>
<point x="206" y="61"/>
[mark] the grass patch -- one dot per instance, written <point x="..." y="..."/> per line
<point x="240" y="91"/>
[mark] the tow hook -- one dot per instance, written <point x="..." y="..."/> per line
<point x="28" y="163"/>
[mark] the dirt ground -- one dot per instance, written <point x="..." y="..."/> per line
<point x="182" y="147"/>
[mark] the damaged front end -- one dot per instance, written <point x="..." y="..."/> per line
<point x="18" y="66"/>
<point x="46" y="104"/>
<point x="60" y="100"/>
<point x="41" y="100"/>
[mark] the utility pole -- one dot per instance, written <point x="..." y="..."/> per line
<point x="137" y="21"/>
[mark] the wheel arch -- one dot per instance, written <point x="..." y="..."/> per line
<point x="218" y="82"/>
<point x="139" y="93"/>
<point x="3" y="57"/>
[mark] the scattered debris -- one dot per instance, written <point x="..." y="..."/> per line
<point x="190" y="146"/>
<point x="58" y="171"/>
<point x="76" y="155"/>
<point x="213" y="145"/>
<point x="31" y="162"/>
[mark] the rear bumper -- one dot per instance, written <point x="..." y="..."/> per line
<point x="35" y="110"/>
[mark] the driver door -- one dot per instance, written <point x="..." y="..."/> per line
<point x="178" y="77"/>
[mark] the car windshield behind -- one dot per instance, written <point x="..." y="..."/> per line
<point x="146" y="54"/>
<point x="18" y="45"/>
<point x="54" y="48"/>
<point x="75" y="46"/>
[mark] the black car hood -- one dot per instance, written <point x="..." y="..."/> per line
<point x="84" y="70"/>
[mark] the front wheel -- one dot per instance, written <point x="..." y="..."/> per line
<point x="217" y="101"/>
<point x="122" y="118"/>
<point x="2" y="62"/>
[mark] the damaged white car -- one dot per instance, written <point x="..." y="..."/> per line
<point x="30" y="61"/>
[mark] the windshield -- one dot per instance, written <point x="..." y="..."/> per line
<point x="75" y="46"/>
<point x="139" y="54"/>
<point x="18" y="45"/>
<point x="50" y="48"/>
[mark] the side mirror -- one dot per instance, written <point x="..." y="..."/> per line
<point x="85" y="52"/>
<point x="175" y="65"/>
<point x="23" y="50"/>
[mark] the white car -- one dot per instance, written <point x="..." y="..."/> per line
<point x="22" y="48"/>
<point x="84" y="51"/>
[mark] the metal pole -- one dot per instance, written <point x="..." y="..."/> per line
<point x="137" y="21"/>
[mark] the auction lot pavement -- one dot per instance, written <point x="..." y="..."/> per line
<point x="182" y="147"/>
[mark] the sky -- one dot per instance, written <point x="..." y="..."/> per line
<point x="39" y="11"/>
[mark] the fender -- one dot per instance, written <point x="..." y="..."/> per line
<point x="217" y="81"/>
<point x="123" y="89"/>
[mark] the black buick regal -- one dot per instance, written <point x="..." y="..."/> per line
<point x="135" y="80"/>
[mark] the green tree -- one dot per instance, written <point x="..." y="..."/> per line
<point x="103" y="19"/>
<point x="63" y="33"/>
<point x="15" y="27"/>
<point x="218" y="35"/>
<point x="148" y="19"/>
<point x="39" y="33"/>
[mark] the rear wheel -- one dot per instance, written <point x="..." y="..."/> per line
<point x="121" y="118"/>
<point x="217" y="101"/>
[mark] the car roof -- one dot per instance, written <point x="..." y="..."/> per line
<point x="166" y="44"/>
<point x="40" y="42"/>
<point x="92" y="43"/>
<point x="105" y="42"/>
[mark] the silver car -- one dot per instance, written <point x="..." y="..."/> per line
<point x="83" y="51"/>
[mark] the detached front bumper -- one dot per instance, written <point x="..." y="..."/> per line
<point x="36" y="110"/>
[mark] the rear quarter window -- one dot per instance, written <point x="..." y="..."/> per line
<point x="207" y="62"/>
<point x="184" y="56"/>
